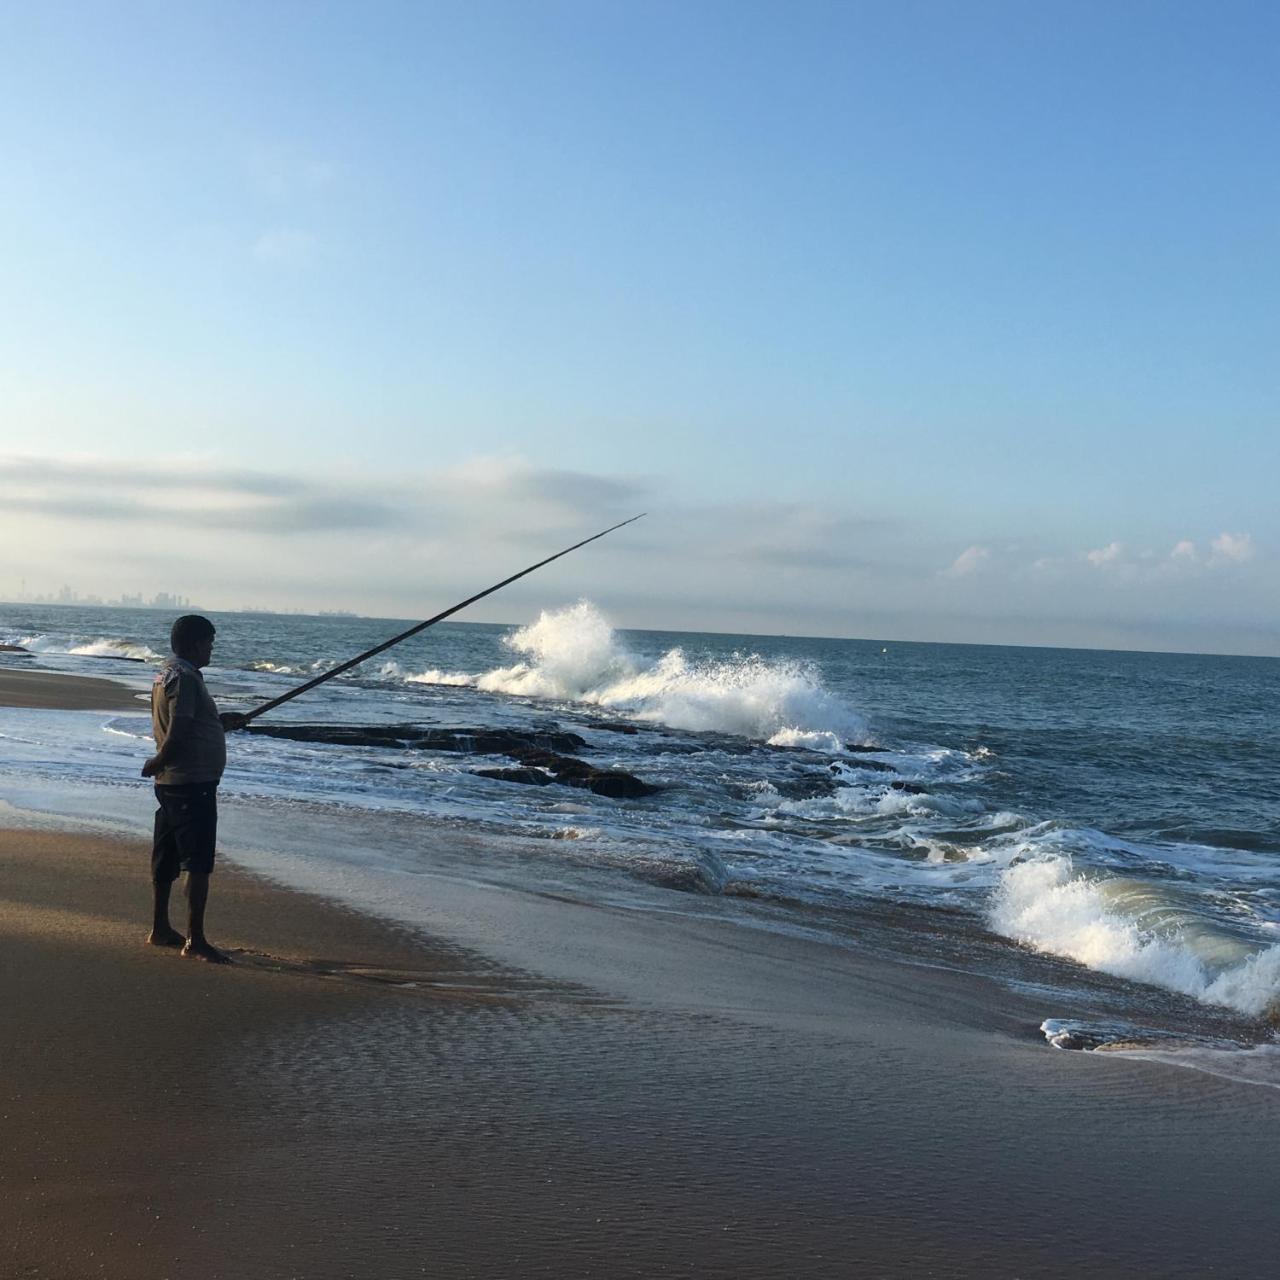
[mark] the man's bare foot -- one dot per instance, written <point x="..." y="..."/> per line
<point x="165" y="938"/>
<point x="205" y="951"/>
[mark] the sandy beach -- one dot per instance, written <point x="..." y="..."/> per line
<point x="54" y="692"/>
<point x="538" y="1087"/>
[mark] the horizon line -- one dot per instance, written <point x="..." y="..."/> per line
<point x="749" y="635"/>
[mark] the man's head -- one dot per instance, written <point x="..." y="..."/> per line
<point x="191" y="637"/>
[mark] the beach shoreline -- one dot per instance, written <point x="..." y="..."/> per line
<point x="357" y="1097"/>
<point x="433" y="1073"/>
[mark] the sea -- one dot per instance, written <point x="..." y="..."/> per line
<point x="1100" y="827"/>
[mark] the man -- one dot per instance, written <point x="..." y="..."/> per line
<point x="187" y="767"/>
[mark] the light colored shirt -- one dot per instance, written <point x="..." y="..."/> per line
<point x="178" y="692"/>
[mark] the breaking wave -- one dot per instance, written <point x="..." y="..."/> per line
<point x="574" y="655"/>
<point x="1133" y="929"/>
<point x="99" y="647"/>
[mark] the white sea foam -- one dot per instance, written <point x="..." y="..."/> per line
<point x="574" y="655"/>
<point x="813" y="739"/>
<point x="457" y="679"/>
<point x="882" y="801"/>
<point x="99" y="647"/>
<point x="1132" y="930"/>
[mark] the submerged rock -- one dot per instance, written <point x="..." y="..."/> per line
<point x="578" y="773"/>
<point x="541" y="755"/>
<point x="809" y="785"/>
<point x="531" y="777"/>
<point x="487" y="742"/>
<point x="872" y="766"/>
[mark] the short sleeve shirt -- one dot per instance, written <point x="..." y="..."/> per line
<point x="178" y="692"/>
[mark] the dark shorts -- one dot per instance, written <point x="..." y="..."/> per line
<point x="186" y="830"/>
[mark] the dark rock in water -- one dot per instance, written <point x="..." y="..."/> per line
<point x="541" y="754"/>
<point x="337" y="734"/>
<point x="532" y="777"/>
<point x="615" y="726"/>
<point x="873" y="766"/>
<point x="617" y="785"/>
<point x="806" y="786"/>
<point x="112" y="657"/>
<point x="14" y="648"/>
<point x="578" y="773"/>
<point x="487" y="742"/>
<point x="911" y="788"/>
<point x="862" y="748"/>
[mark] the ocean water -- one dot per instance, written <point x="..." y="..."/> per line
<point x="1115" y="813"/>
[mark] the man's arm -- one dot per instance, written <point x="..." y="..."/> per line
<point x="179" y="729"/>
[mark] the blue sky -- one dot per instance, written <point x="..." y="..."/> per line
<point x="930" y="321"/>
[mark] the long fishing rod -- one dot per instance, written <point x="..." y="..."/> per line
<point x="422" y="626"/>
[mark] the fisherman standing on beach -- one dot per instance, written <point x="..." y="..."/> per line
<point x="187" y="767"/>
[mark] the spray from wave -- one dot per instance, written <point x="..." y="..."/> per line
<point x="574" y="655"/>
<point x="1132" y="930"/>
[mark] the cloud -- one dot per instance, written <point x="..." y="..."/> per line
<point x="1232" y="548"/>
<point x="28" y="470"/>
<point x="1183" y="562"/>
<point x="287" y="247"/>
<point x="187" y="494"/>
<point x="1108" y="555"/>
<point x="968" y="562"/>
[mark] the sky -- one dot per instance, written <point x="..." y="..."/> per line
<point x="903" y="320"/>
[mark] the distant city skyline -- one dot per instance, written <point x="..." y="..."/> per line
<point x="126" y="600"/>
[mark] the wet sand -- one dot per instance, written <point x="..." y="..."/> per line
<point x="53" y="691"/>
<point x="355" y="1099"/>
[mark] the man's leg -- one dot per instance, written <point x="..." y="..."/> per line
<point x="198" y="840"/>
<point x="198" y="946"/>
<point x="163" y="934"/>
<point x="164" y="870"/>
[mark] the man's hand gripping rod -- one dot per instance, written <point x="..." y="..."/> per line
<point x="422" y="626"/>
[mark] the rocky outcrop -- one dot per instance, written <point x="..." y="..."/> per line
<point x="530" y="777"/>
<point x="485" y="742"/>
<point x="871" y="766"/>
<point x="578" y="773"/>
<point x="541" y="756"/>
